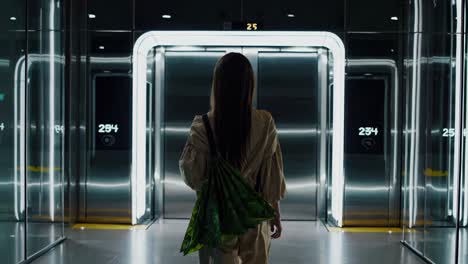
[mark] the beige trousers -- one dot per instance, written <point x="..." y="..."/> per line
<point x="251" y="248"/>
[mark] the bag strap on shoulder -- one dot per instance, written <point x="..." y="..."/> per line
<point x="213" y="151"/>
<point x="209" y="134"/>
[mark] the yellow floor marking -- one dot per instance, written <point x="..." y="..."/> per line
<point x="435" y="173"/>
<point x="109" y="227"/>
<point x="366" y="229"/>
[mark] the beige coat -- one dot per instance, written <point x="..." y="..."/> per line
<point x="264" y="158"/>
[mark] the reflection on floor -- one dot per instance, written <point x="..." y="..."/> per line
<point x="302" y="242"/>
<point x="438" y="243"/>
<point x="463" y="247"/>
<point x="12" y="239"/>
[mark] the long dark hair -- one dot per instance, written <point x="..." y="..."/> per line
<point x="231" y="103"/>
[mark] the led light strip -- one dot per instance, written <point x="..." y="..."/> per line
<point x="458" y="120"/>
<point x="414" y="129"/>
<point x="285" y="131"/>
<point x="52" y="112"/>
<point x="153" y="39"/>
<point x="19" y="137"/>
<point x="460" y="126"/>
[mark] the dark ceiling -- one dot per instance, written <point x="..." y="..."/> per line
<point x="144" y="15"/>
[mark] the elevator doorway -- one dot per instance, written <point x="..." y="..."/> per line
<point x="288" y="85"/>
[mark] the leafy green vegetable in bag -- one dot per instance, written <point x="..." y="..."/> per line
<point x="226" y="207"/>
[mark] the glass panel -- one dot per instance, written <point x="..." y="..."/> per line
<point x="413" y="190"/>
<point x="431" y="162"/>
<point x="44" y="139"/>
<point x="12" y="202"/>
<point x="439" y="169"/>
<point x="433" y="130"/>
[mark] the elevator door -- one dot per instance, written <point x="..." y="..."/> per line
<point x="367" y="186"/>
<point x="107" y="190"/>
<point x="187" y="93"/>
<point x="287" y="87"/>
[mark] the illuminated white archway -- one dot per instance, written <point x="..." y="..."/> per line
<point x="153" y="39"/>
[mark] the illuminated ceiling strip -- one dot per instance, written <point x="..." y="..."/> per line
<point x="153" y="39"/>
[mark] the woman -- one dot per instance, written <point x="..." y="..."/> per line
<point x="247" y="139"/>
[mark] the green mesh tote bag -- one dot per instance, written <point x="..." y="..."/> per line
<point x="226" y="207"/>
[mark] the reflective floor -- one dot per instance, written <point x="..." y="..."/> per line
<point x="12" y="239"/>
<point x="303" y="242"/>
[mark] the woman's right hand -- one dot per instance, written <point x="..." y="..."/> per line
<point x="276" y="227"/>
<point x="275" y="224"/>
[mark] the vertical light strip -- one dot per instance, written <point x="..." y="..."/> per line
<point x="138" y="170"/>
<point x="465" y="145"/>
<point x="462" y="102"/>
<point x="396" y="130"/>
<point x="338" y="177"/>
<point x="16" y="167"/>
<point x="16" y="132"/>
<point x="22" y="139"/>
<point x="19" y="136"/>
<point x="414" y="128"/>
<point x="159" y="61"/>
<point x="52" y="111"/>
<point x="458" y="107"/>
